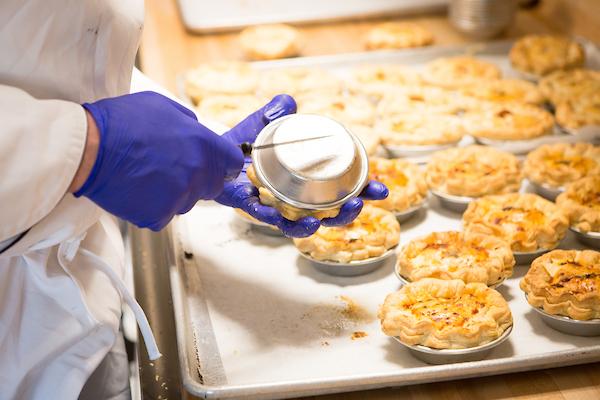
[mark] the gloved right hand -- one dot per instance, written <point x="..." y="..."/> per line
<point x="155" y="160"/>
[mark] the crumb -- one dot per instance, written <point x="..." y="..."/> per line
<point x="358" y="335"/>
<point x="188" y="255"/>
<point x="355" y="311"/>
<point x="325" y="343"/>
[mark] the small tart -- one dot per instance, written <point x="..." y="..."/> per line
<point x="405" y="181"/>
<point x="377" y="79"/>
<point x="509" y="122"/>
<point x="225" y="78"/>
<point x="287" y="211"/>
<point x="369" y="137"/>
<point x="505" y="91"/>
<point x="564" y="85"/>
<point x="524" y="220"/>
<point x="229" y="109"/>
<point x="445" y="314"/>
<point x="421" y="99"/>
<point x="581" y="202"/>
<point x="397" y="35"/>
<point x="455" y="255"/>
<point x="580" y="111"/>
<point x="269" y="42"/>
<point x="295" y="81"/>
<point x="542" y="54"/>
<point x="346" y="109"/>
<point x="557" y="164"/>
<point x="371" y="234"/>
<point x="473" y="171"/>
<point x="420" y="129"/>
<point x="566" y="283"/>
<point x="455" y="72"/>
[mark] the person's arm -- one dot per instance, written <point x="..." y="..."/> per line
<point x="41" y="145"/>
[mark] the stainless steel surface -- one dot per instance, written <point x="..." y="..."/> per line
<point x="151" y="258"/>
<point x="395" y="151"/>
<point x="324" y="181"/>
<point x="353" y="268"/>
<point x="410" y="212"/>
<point x="481" y="18"/>
<point x="457" y="204"/>
<point x="526" y="258"/>
<point x="547" y="192"/>
<point x="451" y="356"/>
<point x="261" y="227"/>
<point x="568" y="325"/>
<point x="591" y="239"/>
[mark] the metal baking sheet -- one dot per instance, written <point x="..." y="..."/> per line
<point x="256" y="320"/>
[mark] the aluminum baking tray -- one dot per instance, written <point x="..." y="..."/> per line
<point x="255" y="320"/>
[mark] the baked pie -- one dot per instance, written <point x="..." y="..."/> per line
<point x="473" y="171"/>
<point x="524" y="220"/>
<point x="225" y="78"/>
<point x="542" y="54"/>
<point x="268" y="42"/>
<point x="420" y="129"/>
<point x="398" y="35"/>
<point x="566" y="283"/>
<point x="229" y="109"/>
<point x="456" y="255"/>
<point x="376" y="80"/>
<point x="346" y="109"/>
<point x="456" y="72"/>
<point x="371" y="234"/>
<point x="564" y="85"/>
<point x="509" y="122"/>
<point x="295" y="81"/>
<point x="405" y="181"/>
<point x="287" y="211"/>
<point x="581" y="111"/>
<point x="581" y="202"/>
<point x="558" y="164"/>
<point x="445" y="314"/>
<point x="369" y="137"/>
<point x="422" y="100"/>
<point x="505" y="91"/>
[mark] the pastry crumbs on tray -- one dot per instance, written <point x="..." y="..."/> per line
<point x="358" y="335"/>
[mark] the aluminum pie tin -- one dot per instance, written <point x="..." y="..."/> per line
<point x="453" y="203"/>
<point x="450" y="356"/>
<point x="401" y="151"/>
<point x="526" y="258"/>
<point x="261" y="227"/>
<point x="405" y="281"/>
<point x="568" y="325"/>
<point x="513" y="146"/>
<point x="404" y="215"/>
<point x="591" y="239"/>
<point x="353" y="268"/>
<point x="547" y="192"/>
<point x="315" y="175"/>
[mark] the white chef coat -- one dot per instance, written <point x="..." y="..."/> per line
<point x="60" y="284"/>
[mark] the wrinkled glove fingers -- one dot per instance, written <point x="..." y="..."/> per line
<point x="348" y="212"/>
<point x="374" y="191"/>
<point x="304" y="227"/>
<point x="266" y="214"/>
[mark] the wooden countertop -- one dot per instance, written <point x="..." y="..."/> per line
<point x="167" y="50"/>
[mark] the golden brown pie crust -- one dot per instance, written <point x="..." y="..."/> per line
<point x="581" y="202"/>
<point x="405" y="181"/>
<point x="456" y="72"/>
<point x="542" y="54"/>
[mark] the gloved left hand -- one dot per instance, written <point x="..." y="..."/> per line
<point x="243" y="195"/>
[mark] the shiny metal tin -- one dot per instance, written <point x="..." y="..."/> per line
<point x="450" y="356"/>
<point x="395" y="151"/>
<point x="300" y="188"/>
<point x="405" y="281"/>
<point x="453" y="203"/>
<point x="404" y="215"/>
<point x="568" y="325"/>
<point x="591" y="239"/>
<point x="526" y="258"/>
<point x="547" y="192"/>
<point x="353" y="268"/>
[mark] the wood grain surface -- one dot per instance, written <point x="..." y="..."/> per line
<point x="167" y="50"/>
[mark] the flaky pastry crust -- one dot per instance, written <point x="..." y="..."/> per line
<point x="422" y="100"/>
<point x="473" y="171"/>
<point x="542" y="54"/>
<point x="371" y="234"/>
<point x="299" y="80"/>
<point x="287" y="211"/>
<point x="565" y="282"/>
<point x="570" y="84"/>
<point x="268" y="42"/>
<point x="229" y="109"/>
<point x="456" y="72"/>
<point x="558" y="164"/>
<point x="456" y="255"/>
<point x="346" y="109"/>
<point x="397" y="35"/>
<point x="419" y="129"/>
<point x="581" y="202"/>
<point x="581" y="111"/>
<point x="405" y="181"/>
<point x="368" y="136"/>
<point x="224" y="78"/>
<point x="445" y="314"/>
<point x="502" y="91"/>
<point x="524" y="220"/>
<point x="377" y="79"/>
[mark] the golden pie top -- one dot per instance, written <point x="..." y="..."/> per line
<point x="445" y="314"/>
<point x="418" y="129"/>
<point x="429" y="99"/>
<point x="229" y="109"/>
<point x="454" y="72"/>
<point x="370" y="235"/>
<point x="526" y="221"/>
<point x="296" y="81"/>
<point x="580" y="111"/>
<point x="542" y="54"/>
<point x="581" y="202"/>
<point x="346" y="109"/>
<point x="405" y="181"/>
<point x="560" y="163"/>
<point x="228" y="78"/>
<point x="565" y="85"/>
<point x="268" y="42"/>
<point x="473" y="171"/>
<point x="455" y="255"/>
<point x="505" y="91"/>
<point x="397" y="35"/>
<point x="565" y="282"/>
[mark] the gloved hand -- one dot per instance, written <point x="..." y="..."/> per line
<point x="243" y="195"/>
<point x="155" y="160"/>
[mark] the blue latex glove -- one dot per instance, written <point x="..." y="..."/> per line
<point x="243" y="195"/>
<point x="155" y="160"/>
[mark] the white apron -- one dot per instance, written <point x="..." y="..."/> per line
<point x="61" y="284"/>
